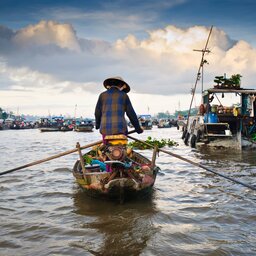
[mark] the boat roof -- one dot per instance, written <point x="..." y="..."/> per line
<point x="57" y="117"/>
<point x="144" y="116"/>
<point x="241" y="90"/>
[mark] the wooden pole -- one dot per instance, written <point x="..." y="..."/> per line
<point x="55" y="156"/>
<point x="153" y="161"/>
<point x="81" y="157"/>
<point x="50" y="158"/>
<point x="196" y="164"/>
<point x="198" y="75"/>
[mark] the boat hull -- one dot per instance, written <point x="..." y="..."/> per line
<point x="66" y="129"/>
<point x="119" y="185"/>
<point x="83" y="129"/>
<point x="49" y="129"/>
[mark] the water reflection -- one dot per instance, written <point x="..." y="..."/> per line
<point x="124" y="229"/>
<point x="245" y="156"/>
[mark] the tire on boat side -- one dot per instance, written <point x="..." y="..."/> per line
<point x="199" y="135"/>
<point x="193" y="141"/>
<point x="184" y="134"/>
<point x="186" y="138"/>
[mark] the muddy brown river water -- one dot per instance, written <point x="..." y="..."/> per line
<point x="190" y="212"/>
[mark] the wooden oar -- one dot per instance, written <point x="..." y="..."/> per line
<point x="51" y="158"/>
<point x="196" y="164"/>
<point x="55" y="156"/>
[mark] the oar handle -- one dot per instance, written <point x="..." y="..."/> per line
<point x="130" y="132"/>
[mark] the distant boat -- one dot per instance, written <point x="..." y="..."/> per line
<point x="51" y="125"/>
<point x="66" y="128"/>
<point x="85" y="125"/>
<point x="2" y="125"/>
<point x="49" y="129"/>
<point x="167" y="123"/>
<point x="145" y="122"/>
<point x="68" y="125"/>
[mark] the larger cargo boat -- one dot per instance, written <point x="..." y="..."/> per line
<point x="216" y="124"/>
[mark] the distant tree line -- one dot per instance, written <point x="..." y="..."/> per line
<point x="164" y="115"/>
<point x="193" y="111"/>
<point x="167" y="115"/>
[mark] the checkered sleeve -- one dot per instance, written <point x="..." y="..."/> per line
<point x="131" y="114"/>
<point x="98" y="113"/>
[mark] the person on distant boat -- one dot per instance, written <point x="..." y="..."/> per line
<point x="111" y="108"/>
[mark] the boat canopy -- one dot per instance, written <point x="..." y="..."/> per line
<point x="146" y="117"/>
<point x="244" y="91"/>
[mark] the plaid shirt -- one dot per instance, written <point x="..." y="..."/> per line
<point x="110" y="112"/>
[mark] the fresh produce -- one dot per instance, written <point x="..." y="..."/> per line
<point x="153" y="142"/>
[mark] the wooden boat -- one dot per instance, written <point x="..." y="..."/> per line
<point x="66" y="128"/>
<point x="85" y="125"/>
<point x="49" y="129"/>
<point x="166" y="123"/>
<point x="145" y="122"/>
<point x="50" y="125"/>
<point x="223" y="126"/>
<point x="226" y="117"/>
<point x="83" y="128"/>
<point x="116" y="172"/>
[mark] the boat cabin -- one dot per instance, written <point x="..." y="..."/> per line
<point x="240" y="116"/>
<point x="228" y="113"/>
<point x="145" y="121"/>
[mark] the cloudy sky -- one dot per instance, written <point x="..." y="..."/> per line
<point x="55" y="55"/>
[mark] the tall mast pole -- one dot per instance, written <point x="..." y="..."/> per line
<point x="75" y="112"/>
<point x="199" y="73"/>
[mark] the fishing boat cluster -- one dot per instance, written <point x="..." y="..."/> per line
<point x="59" y="123"/>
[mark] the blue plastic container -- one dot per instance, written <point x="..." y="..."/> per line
<point x="211" y="118"/>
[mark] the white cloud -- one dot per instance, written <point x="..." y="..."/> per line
<point x="49" y="57"/>
<point x="47" y="33"/>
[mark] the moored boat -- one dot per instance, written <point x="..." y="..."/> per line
<point x="145" y="122"/>
<point x="230" y="121"/>
<point x="66" y="128"/>
<point x="115" y="171"/>
<point x="83" y="128"/>
<point x="68" y="125"/>
<point x="85" y="125"/>
<point x="49" y="129"/>
<point x="167" y="123"/>
<point x="50" y="125"/>
<point x="221" y="125"/>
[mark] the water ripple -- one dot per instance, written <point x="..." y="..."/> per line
<point x="190" y="212"/>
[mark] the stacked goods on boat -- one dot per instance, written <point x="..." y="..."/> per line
<point x="223" y="125"/>
<point x="113" y="168"/>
